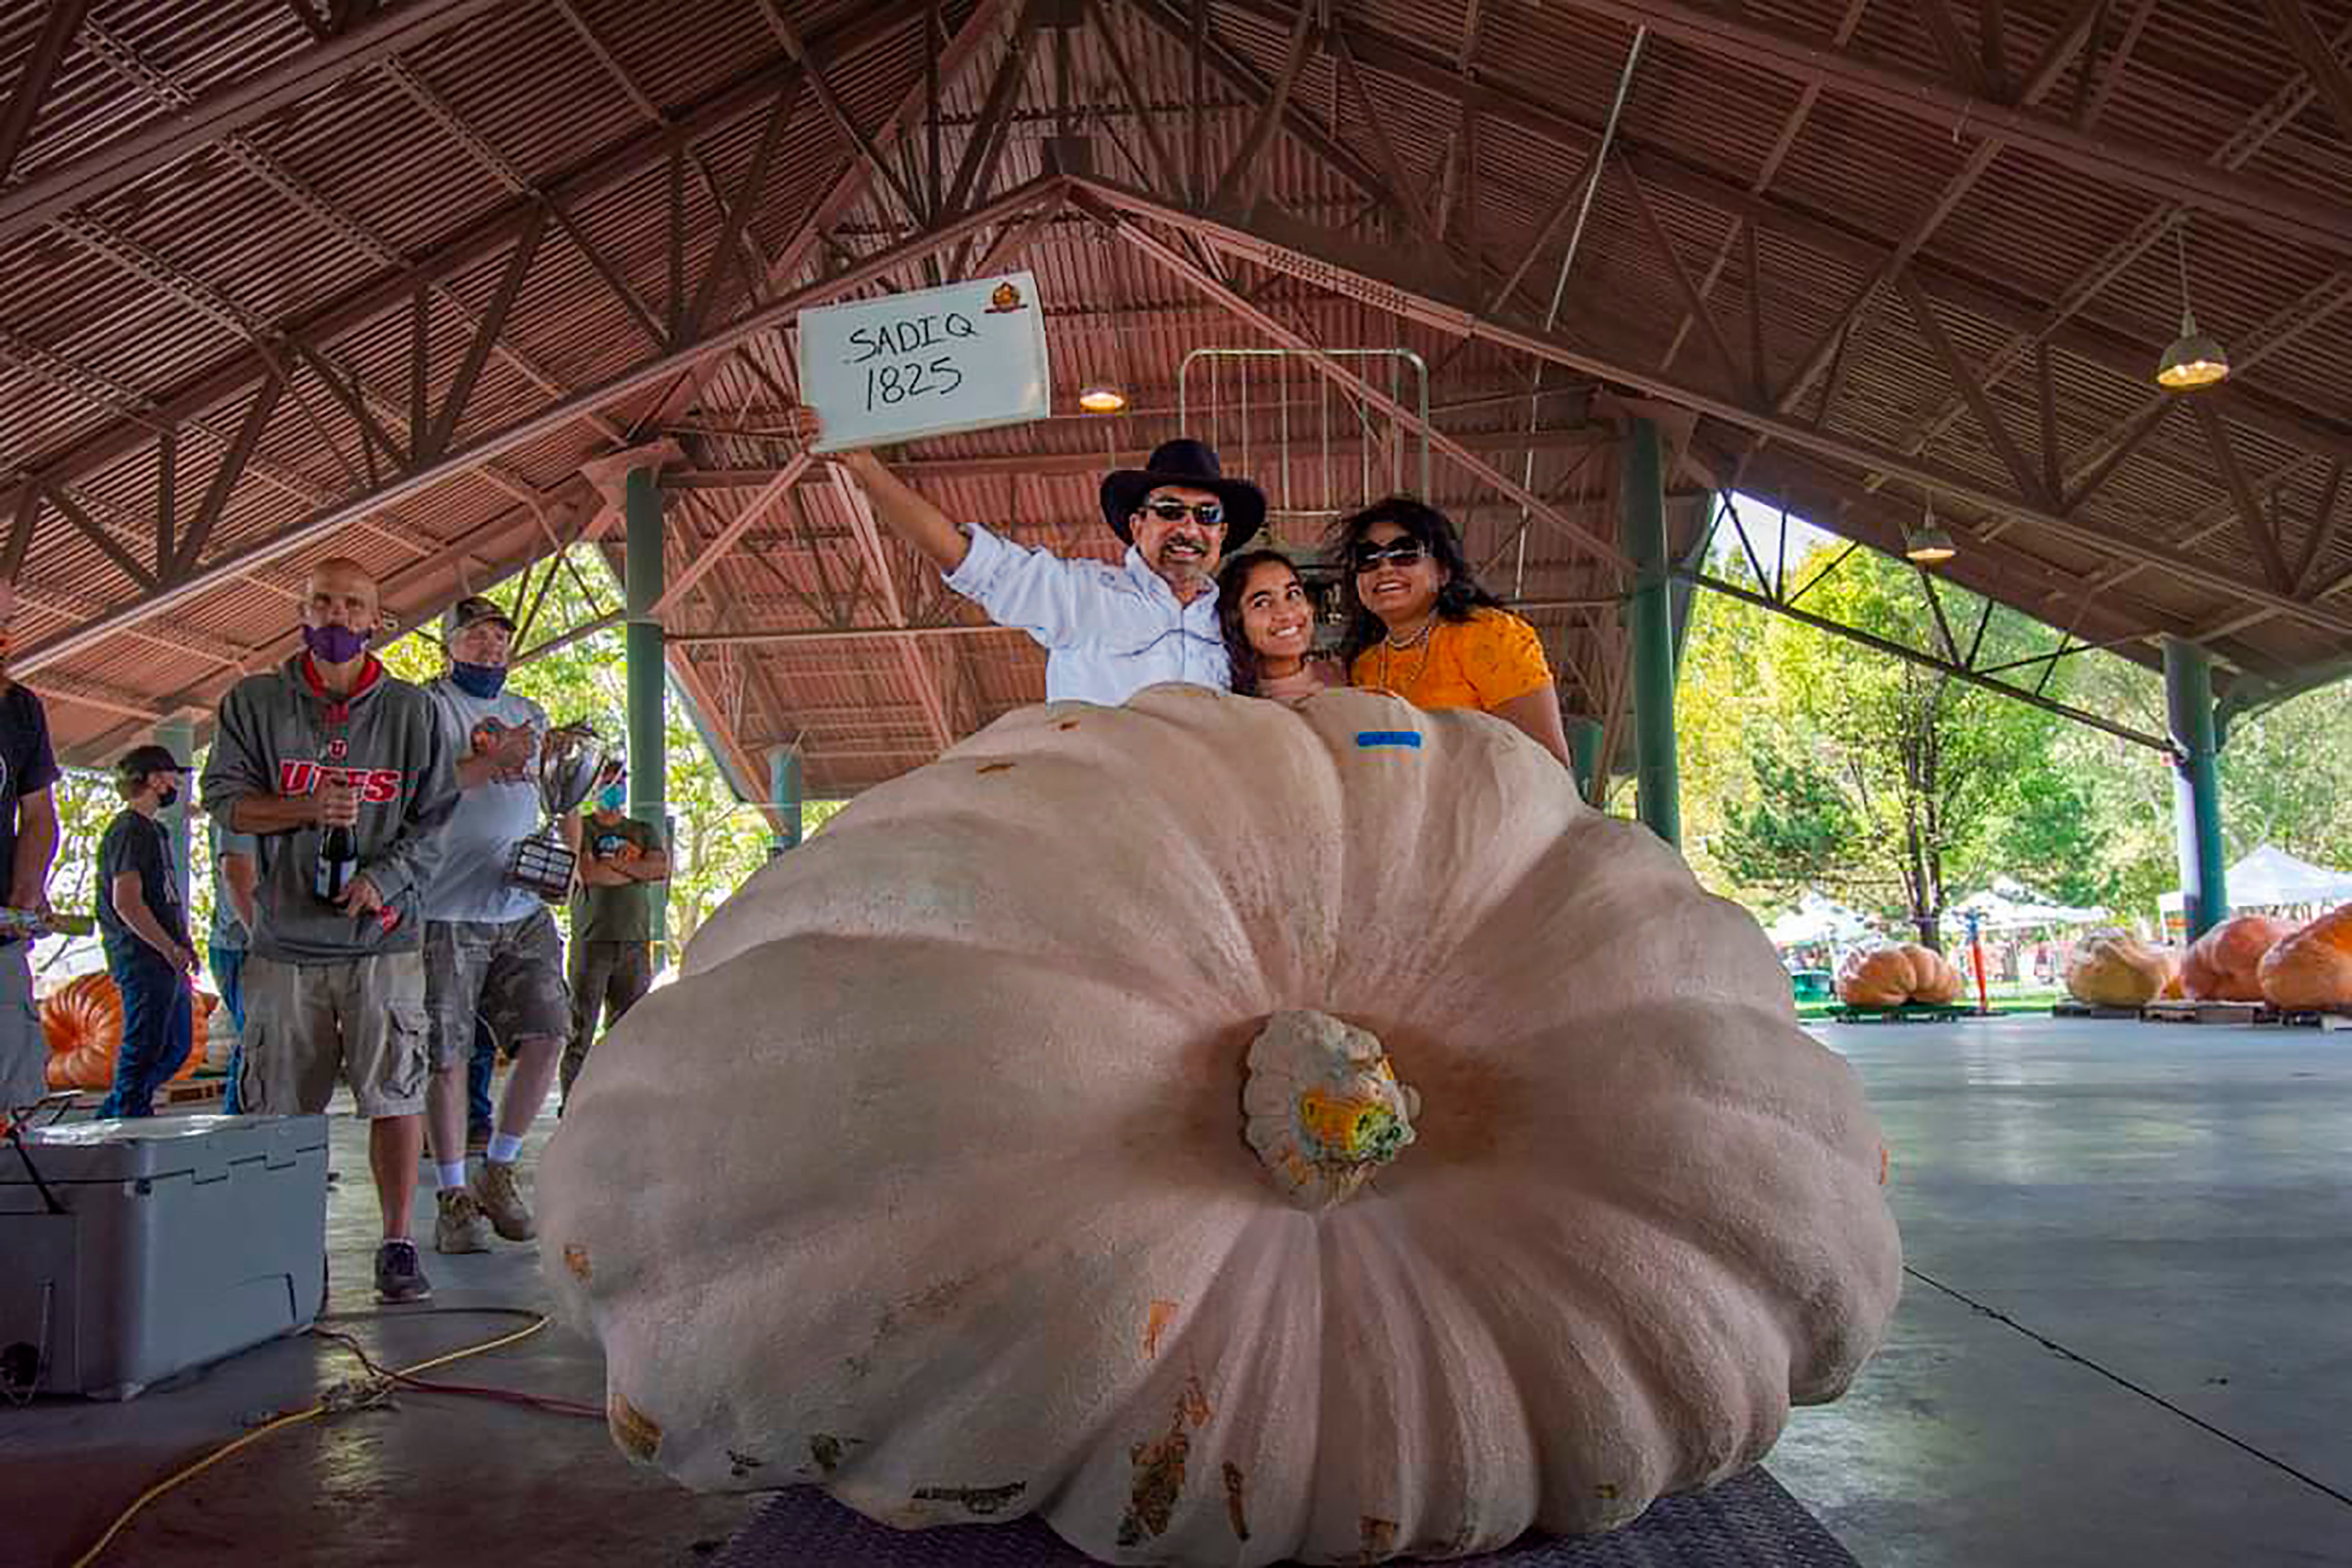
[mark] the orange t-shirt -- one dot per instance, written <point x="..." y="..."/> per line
<point x="1482" y="663"/>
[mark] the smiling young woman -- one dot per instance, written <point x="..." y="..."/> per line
<point x="1270" y="625"/>
<point x="1419" y="625"/>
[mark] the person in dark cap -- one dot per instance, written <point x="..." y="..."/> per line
<point x="143" y="925"/>
<point x="492" y="953"/>
<point x="1110" y="631"/>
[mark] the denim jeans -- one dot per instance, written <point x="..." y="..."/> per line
<point x="479" y="1068"/>
<point x="156" y="1019"/>
<point x="227" y="965"/>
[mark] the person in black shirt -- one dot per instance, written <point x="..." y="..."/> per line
<point x="29" y="842"/>
<point x="144" y="925"/>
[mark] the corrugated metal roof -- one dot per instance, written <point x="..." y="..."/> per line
<point x="141" y="305"/>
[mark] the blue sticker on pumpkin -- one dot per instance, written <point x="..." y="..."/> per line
<point x="1370" y="739"/>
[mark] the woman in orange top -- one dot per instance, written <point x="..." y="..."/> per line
<point x="1420" y="625"/>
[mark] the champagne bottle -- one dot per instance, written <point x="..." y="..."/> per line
<point x="338" y="862"/>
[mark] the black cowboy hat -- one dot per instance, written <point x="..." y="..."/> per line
<point x="1189" y="463"/>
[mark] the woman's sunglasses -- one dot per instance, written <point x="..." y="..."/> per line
<point x="1208" y="513"/>
<point x="1401" y="551"/>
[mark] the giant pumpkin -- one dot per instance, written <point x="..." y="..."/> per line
<point x="82" y="1022"/>
<point x="2116" y="969"/>
<point x="2311" y="968"/>
<point x="1892" y="976"/>
<point x="2223" y="964"/>
<point x="1231" y="1133"/>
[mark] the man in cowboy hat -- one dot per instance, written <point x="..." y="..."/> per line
<point x="1110" y="631"/>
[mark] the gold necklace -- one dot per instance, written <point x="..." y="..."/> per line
<point x="1389" y="645"/>
<point x="1422" y="636"/>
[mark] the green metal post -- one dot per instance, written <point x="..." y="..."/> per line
<point x="2196" y="785"/>
<point x="784" y="789"/>
<point x="178" y="736"/>
<point x="648" y="676"/>
<point x="1641" y="526"/>
<point x="1584" y="750"/>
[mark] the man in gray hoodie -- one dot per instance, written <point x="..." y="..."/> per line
<point x="331" y="753"/>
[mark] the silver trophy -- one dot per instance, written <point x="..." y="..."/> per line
<point x="570" y="758"/>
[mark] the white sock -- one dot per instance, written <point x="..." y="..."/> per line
<point x="452" y="1173"/>
<point x="504" y="1147"/>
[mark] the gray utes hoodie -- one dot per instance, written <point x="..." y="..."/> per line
<point x="282" y="733"/>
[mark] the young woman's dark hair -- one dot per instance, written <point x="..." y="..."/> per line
<point x="1231" y="578"/>
<point x="1458" y="594"/>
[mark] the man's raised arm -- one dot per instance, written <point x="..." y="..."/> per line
<point x="906" y="514"/>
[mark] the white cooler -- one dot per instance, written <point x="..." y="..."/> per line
<point x="159" y="1245"/>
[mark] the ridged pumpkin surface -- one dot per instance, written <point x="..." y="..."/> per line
<point x="2116" y="969"/>
<point x="81" y="1022"/>
<point x="1891" y="976"/>
<point x="2224" y="965"/>
<point x="2312" y="967"/>
<point x="928" y="1179"/>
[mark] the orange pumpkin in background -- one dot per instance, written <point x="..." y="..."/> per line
<point x="2222" y="965"/>
<point x="82" y="1023"/>
<point x="1891" y="976"/>
<point x="2312" y="968"/>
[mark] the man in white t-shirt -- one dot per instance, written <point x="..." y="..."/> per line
<point x="491" y="948"/>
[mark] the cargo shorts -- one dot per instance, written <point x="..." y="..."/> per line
<point x="508" y="974"/>
<point x="360" y="1019"/>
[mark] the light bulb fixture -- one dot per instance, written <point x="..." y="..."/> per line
<point x="2194" y="360"/>
<point x="1930" y="543"/>
<point x="1102" y="397"/>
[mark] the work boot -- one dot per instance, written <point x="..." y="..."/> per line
<point x="501" y="1196"/>
<point x="399" y="1276"/>
<point x="460" y="1227"/>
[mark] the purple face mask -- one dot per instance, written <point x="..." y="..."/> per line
<point x="336" y="644"/>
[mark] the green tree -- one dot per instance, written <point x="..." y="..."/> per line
<point x="2286" y="778"/>
<point x="717" y="840"/>
<point x="1804" y="758"/>
<point x="1884" y="784"/>
<point x="2047" y="836"/>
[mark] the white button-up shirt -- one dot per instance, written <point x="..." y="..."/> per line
<point x="1110" y="631"/>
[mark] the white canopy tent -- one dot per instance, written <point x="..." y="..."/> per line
<point x="1818" y="919"/>
<point x="2271" y="879"/>
<point x="2008" y="906"/>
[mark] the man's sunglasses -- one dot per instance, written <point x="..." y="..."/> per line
<point x="1401" y="551"/>
<point x="1208" y="513"/>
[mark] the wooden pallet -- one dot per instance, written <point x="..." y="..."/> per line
<point x="2202" y="1012"/>
<point x="2071" y="1009"/>
<point x="1909" y="1013"/>
<point x="2306" y="1018"/>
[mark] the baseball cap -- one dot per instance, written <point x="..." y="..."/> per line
<point x="472" y="611"/>
<point x="139" y="761"/>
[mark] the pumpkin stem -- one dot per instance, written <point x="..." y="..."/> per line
<point x="1322" y="1106"/>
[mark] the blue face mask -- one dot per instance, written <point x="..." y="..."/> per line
<point x="482" y="681"/>
<point x="612" y="797"/>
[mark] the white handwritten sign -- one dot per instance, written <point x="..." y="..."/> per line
<point x="929" y="363"/>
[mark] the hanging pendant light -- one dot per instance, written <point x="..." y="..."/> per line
<point x="2194" y="360"/>
<point x="1930" y="543"/>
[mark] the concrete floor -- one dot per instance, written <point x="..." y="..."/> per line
<point x="2126" y="1341"/>
<point x="2126" y="1337"/>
